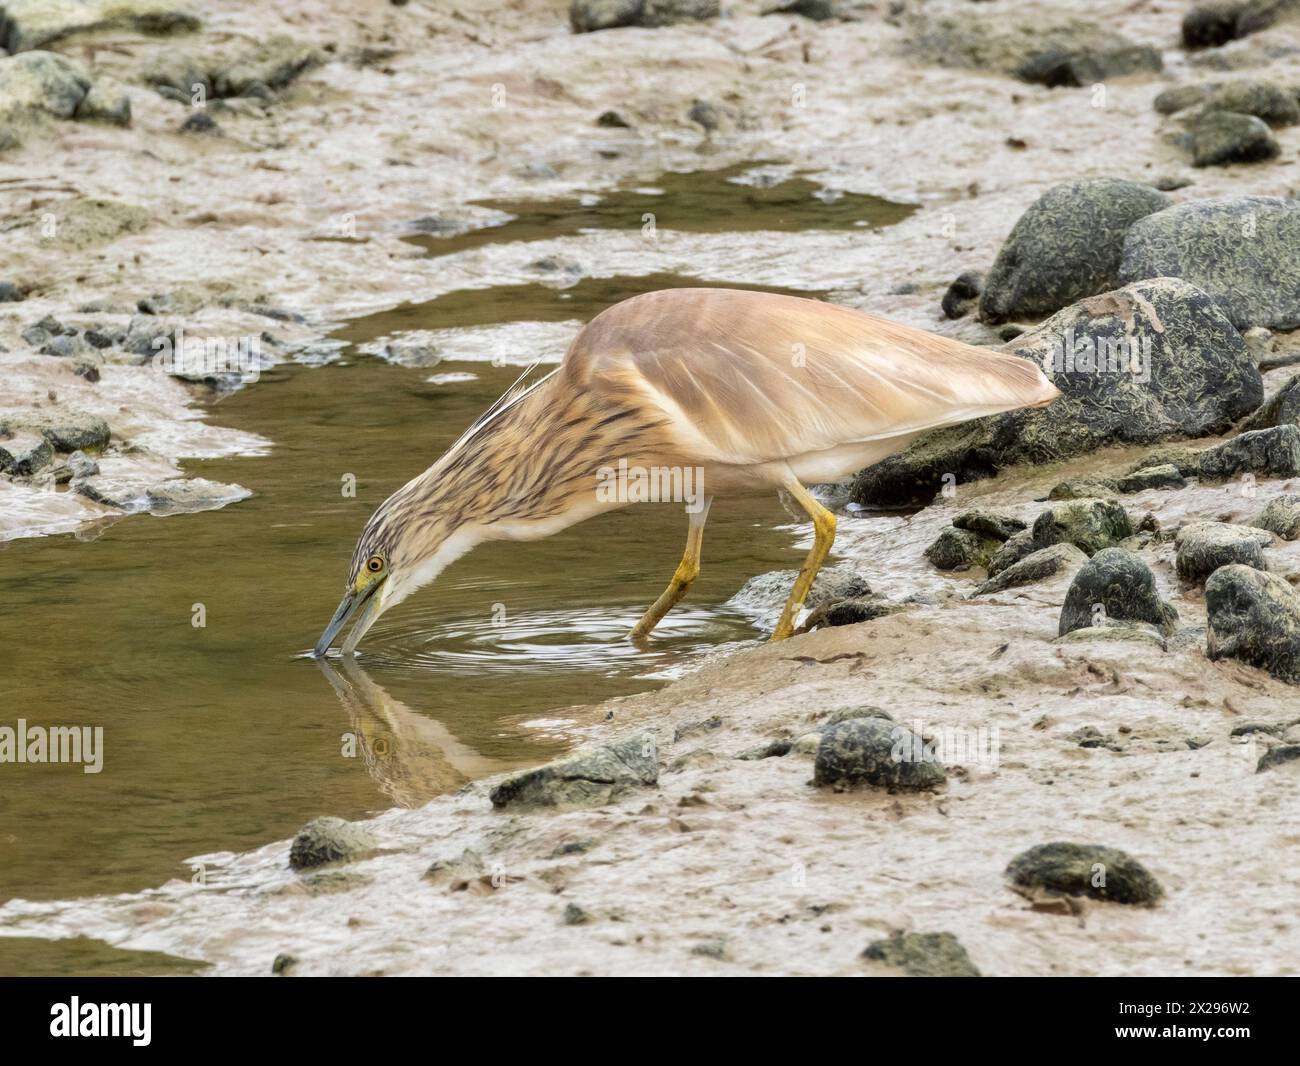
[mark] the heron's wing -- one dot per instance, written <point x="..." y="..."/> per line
<point x="750" y="377"/>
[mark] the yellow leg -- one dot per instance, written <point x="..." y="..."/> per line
<point x="687" y="571"/>
<point x="823" y="537"/>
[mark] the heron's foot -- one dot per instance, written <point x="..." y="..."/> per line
<point x="686" y="573"/>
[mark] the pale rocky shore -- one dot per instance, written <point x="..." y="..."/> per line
<point x="742" y="820"/>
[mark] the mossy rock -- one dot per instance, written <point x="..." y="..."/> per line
<point x="1067" y="869"/>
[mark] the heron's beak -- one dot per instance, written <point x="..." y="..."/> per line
<point x="368" y="604"/>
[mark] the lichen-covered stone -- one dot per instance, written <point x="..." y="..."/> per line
<point x="989" y="524"/>
<point x="1203" y="547"/>
<point x="1274" y="104"/>
<point x="1084" y="488"/>
<point x="1281" y="516"/>
<point x="1282" y="408"/>
<point x="1254" y="617"/>
<point x="875" y="752"/>
<point x="41" y="83"/>
<point x="1272" y="452"/>
<point x="1160" y="476"/>
<point x="1066" y="246"/>
<point x="923" y="955"/>
<point x="1154" y="361"/>
<point x="1036" y="566"/>
<point x="1090" y="525"/>
<point x="1220" y="137"/>
<point x="592" y="775"/>
<point x="1243" y="251"/>
<point x="1115" y="584"/>
<point x="960" y="549"/>
<point x="28" y="24"/>
<point x="1067" y="869"/>
<point x="1017" y="547"/>
<point x="325" y="840"/>
<point x="1181" y="97"/>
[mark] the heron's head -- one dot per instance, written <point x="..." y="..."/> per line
<point x="405" y="545"/>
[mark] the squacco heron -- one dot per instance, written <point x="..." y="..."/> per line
<point x="748" y="390"/>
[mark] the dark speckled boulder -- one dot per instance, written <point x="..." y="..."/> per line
<point x="875" y="752"/>
<point x="1066" y="869"/>
<point x="1271" y="452"/>
<point x="1203" y="547"/>
<point x="960" y="549"/>
<point x="590" y="776"/>
<point x="1154" y="361"/>
<point x="1119" y="584"/>
<point x="1037" y="565"/>
<point x="923" y="955"/>
<point x="1244" y="252"/>
<point x="1273" y="103"/>
<point x="1281" y="516"/>
<point x="1254" y="617"/>
<point x="1066" y="246"/>
<point x="1222" y="137"/>
<point x="326" y="840"/>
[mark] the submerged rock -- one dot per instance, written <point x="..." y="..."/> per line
<point x="1281" y="516"/>
<point x="1154" y="361"/>
<point x="1066" y="246"/>
<point x="1090" y="525"/>
<point x="593" y="775"/>
<point x="1274" y="452"/>
<point x="1115" y="584"/>
<point x="1066" y="869"/>
<point x="877" y="752"/>
<point x="1243" y="251"/>
<point x="325" y="840"/>
<point x="1203" y="547"/>
<point x="1254" y="617"/>
<point x="923" y="955"/>
<point x="1036" y="566"/>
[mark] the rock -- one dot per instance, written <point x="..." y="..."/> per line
<point x="1273" y="452"/>
<point x="1181" y="97"/>
<point x="1090" y="525"/>
<point x="1124" y="588"/>
<point x="186" y="495"/>
<point x="768" y="592"/>
<point x="1243" y="251"/>
<point x="105" y="103"/>
<point x="1037" y="565"/>
<point x="1277" y="755"/>
<point x="1090" y="736"/>
<point x="283" y="964"/>
<point x="1254" y="617"/>
<point x="593" y="775"/>
<point x="326" y="840"/>
<point x="1049" y="52"/>
<point x="923" y="955"/>
<point x="876" y="752"/>
<point x="258" y="72"/>
<point x="963" y="294"/>
<point x="10" y="293"/>
<point x="1220" y="21"/>
<point x="1160" y="476"/>
<point x="1020" y="546"/>
<point x="987" y="524"/>
<point x="1187" y="461"/>
<point x="41" y="82"/>
<point x="960" y="549"/>
<point x="82" y="222"/>
<point x="82" y="465"/>
<point x="1221" y="137"/>
<point x="817" y="10"/>
<point x="586" y="16"/>
<point x="850" y="612"/>
<point x="1066" y="246"/>
<point x="1084" y="489"/>
<point x="612" y="120"/>
<point x="1265" y="100"/>
<point x="1154" y="361"/>
<point x="200" y="122"/>
<point x="1062" y="868"/>
<point x="1260" y="344"/>
<point x="1203" y="547"/>
<point x="28" y="24"/>
<point x="575" y="915"/>
<point x="1281" y="516"/>
<point x="24" y="454"/>
<point x="71" y="432"/>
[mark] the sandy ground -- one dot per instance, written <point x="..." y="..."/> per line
<point x="727" y="866"/>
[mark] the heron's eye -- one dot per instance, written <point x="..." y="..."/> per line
<point x="374" y="564"/>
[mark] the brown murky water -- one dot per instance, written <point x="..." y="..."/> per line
<point x="743" y="198"/>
